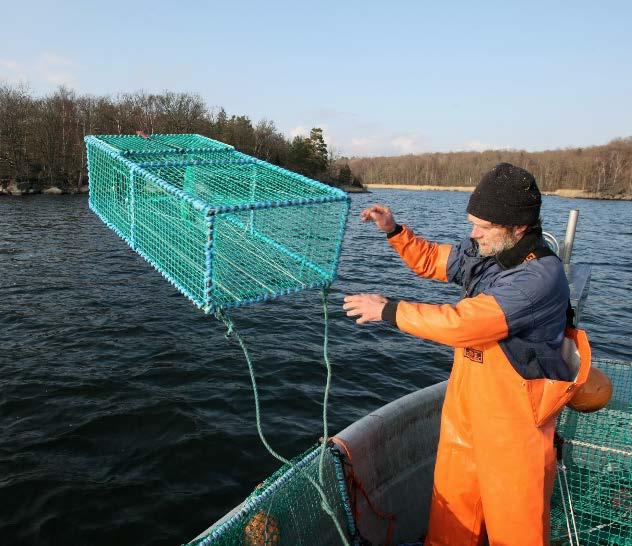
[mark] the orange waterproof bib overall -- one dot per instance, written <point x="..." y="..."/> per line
<point x="496" y="461"/>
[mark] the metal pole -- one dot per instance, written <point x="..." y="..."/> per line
<point x="569" y="238"/>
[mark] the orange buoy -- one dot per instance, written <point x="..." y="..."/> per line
<point x="594" y="394"/>
<point x="262" y="530"/>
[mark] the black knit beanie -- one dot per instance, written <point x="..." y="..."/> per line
<point x="506" y="195"/>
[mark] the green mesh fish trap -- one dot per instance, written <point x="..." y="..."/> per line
<point x="286" y="509"/>
<point x="224" y="228"/>
<point x="592" y="499"/>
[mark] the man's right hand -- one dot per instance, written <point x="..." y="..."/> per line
<point x="382" y="216"/>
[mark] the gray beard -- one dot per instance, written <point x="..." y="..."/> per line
<point x="505" y="244"/>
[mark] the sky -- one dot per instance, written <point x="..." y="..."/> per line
<point x="380" y="78"/>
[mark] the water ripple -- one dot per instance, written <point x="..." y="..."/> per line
<point x="127" y="416"/>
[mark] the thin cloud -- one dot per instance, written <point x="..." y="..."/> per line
<point x="55" y="69"/>
<point x="407" y="144"/>
<point x="364" y="146"/>
<point x="371" y="145"/>
<point x="46" y="71"/>
<point x="299" y="130"/>
<point x="478" y="146"/>
<point x="12" y="71"/>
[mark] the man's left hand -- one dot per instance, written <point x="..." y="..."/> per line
<point x="367" y="306"/>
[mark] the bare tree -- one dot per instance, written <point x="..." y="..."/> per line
<point x="42" y="143"/>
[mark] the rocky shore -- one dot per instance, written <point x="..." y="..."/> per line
<point x="14" y="191"/>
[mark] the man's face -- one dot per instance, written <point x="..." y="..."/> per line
<point x="492" y="238"/>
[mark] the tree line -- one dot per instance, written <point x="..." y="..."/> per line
<point x="41" y="145"/>
<point x="41" y="138"/>
<point x="604" y="171"/>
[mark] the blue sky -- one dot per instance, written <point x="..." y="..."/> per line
<point x="380" y="78"/>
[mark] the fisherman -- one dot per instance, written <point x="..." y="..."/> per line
<point x="495" y="461"/>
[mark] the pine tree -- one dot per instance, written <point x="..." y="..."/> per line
<point x="344" y="175"/>
<point x="320" y="159"/>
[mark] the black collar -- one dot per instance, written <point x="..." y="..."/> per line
<point x="531" y="241"/>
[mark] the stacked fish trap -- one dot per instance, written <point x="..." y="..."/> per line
<point x="224" y="228"/>
<point x="592" y="500"/>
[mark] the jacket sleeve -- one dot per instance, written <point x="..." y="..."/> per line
<point x="425" y="258"/>
<point x="472" y="321"/>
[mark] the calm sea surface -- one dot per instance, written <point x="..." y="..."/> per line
<point x="126" y="417"/>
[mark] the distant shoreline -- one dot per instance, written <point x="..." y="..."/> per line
<point x="13" y="191"/>
<point x="417" y="187"/>
<point x="562" y="192"/>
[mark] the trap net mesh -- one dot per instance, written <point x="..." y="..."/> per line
<point x="286" y="508"/>
<point x="224" y="228"/>
<point x="597" y="456"/>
